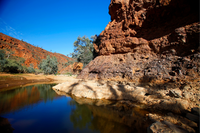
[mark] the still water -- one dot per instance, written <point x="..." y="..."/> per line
<point x="38" y="108"/>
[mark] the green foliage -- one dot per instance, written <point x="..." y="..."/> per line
<point x="12" y="66"/>
<point x="83" y="50"/>
<point x="38" y="71"/>
<point x="25" y="69"/>
<point x="2" y="59"/>
<point x="49" y="65"/>
<point x="31" y="69"/>
<point x="70" y="62"/>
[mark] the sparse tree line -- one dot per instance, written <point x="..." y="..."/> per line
<point x="13" y="64"/>
<point x="83" y="52"/>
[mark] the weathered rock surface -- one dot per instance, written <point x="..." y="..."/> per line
<point x="156" y="97"/>
<point x="165" y="127"/>
<point x="102" y="90"/>
<point x="171" y="123"/>
<point x="148" y="40"/>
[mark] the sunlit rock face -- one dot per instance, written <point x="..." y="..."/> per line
<point x="148" y="40"/>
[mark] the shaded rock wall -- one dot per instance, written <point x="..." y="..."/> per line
<point x="148" y="40"/>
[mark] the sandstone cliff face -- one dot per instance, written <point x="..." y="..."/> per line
<point x="148" y="40"/>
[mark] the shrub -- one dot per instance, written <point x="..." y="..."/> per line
<point x="70" y="62"/>
<point x="12" y="66"/>
<point x="2" y="59"/>
<point x="38" y="71"/>
<point x="49" y="65"/>
<point x="31" y="69"/>
<point x="25" y="69"/>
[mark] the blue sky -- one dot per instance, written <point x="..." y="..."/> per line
<point x="53" y="25"/>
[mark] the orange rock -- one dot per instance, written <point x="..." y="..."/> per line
<point x="77" y="67"/>
<point x="155" y="36"/>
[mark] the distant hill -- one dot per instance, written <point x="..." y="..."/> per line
<point x="31" y="54"/>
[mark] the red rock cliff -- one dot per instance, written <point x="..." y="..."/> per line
<point x="148" y="40"/>
<point x="32" y="54"/>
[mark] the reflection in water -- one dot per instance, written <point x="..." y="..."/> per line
<point x="18" y="98"/>
<point x="108" y="118"/>
<point x="37" y="108"/>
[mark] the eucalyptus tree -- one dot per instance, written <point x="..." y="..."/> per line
<point x="49" y="65"/>
<point x="83" y="50"/>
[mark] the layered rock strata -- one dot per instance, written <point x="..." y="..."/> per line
<point x="148" y="40"/>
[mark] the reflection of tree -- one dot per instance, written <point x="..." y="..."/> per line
<point x="25" y="96"/>
<point x="46" y="92"/>
<point x="81" y="116"/>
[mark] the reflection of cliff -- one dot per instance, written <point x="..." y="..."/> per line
<point x="108" y="119"/>
<point x="21" y="97"/>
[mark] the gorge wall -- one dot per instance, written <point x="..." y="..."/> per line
<point x="148" y="40"/>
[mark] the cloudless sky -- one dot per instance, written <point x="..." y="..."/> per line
<point x="53" y="25"/>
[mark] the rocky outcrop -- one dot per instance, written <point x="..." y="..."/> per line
<point x="148" y="41"/>
<point x="74" y="68"/>
<point x="77" y="67"/>
<point x="157" y="98"/>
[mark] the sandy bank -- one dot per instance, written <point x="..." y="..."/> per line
<point x="9" y="81"/>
